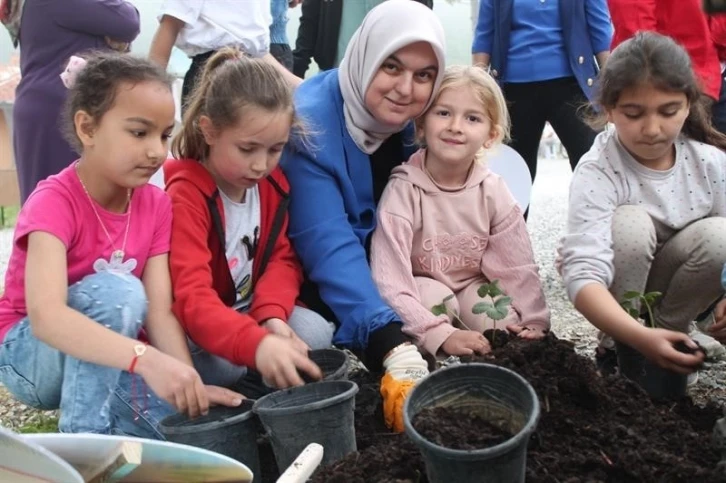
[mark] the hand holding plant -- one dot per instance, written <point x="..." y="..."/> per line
<point x="661" y="345"/>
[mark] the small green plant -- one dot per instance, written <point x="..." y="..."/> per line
<point x="441" y="308"/>
<point x="501" y="302"/>
<point x="495" y="310"/>
<point x="632" y="297"/>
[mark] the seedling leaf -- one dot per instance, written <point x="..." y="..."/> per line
<point x="651" y="297"/>
<point x="439" y="309"/>
<point x="494" y="289"/>
<point x="480" y="308"/>
<point x="631" y="294"/>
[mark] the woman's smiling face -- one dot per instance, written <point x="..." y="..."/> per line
<point x="403" y="84"/>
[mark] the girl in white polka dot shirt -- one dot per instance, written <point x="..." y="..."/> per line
<point x="647" y="204"/>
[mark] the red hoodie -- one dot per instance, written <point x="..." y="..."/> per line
<point x="685" y="22"/>
<point x="204" y="291"/>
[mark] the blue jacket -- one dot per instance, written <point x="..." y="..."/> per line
<point x="332" y="212"/>
<point x="585" y="26"/>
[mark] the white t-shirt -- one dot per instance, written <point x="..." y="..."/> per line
<point x="607" y="176"/>
<point x="213" y="24"/>
<point x="242" y="236"/>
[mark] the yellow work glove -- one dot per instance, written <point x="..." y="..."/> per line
<point x="404" y="367"/>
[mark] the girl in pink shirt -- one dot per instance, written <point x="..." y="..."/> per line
<point x="90" y="267"/>
<point x="446" y="225"/>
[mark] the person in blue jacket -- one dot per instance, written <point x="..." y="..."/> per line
<point x="361" y="115"/>
<point x="546" y="55"/>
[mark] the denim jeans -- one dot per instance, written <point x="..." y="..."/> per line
<point x="91" y="398"/>
<point x="312" y="328"/>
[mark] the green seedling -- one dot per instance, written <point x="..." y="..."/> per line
<point x="495" y="310"/>
<point x="501" y="302"/>
<point x="441" y="308"/>
<point x="629" y="304"/>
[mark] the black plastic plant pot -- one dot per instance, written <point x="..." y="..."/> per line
<point x="332" y="362"/>
<point x="495" y="394"/>
<point x="321" y="412"/>
<point x="658" y="382"/>
<point x="228" y="431"/>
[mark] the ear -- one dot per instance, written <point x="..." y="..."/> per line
<point x="85" y="127"/>
<point x="495" y="136"/>
<point x="209" y="132"/>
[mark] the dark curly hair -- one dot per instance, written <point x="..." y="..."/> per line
<point x="95" y="87"/>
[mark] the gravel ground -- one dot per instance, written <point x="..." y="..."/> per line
<point x="546" y="223"/>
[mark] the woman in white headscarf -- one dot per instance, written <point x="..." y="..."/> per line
<point x="361" y="118"/>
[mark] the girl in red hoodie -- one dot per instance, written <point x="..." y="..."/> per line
<point x="235" y="275"/>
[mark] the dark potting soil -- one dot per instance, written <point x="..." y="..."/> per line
<point x="590" y="429"/>
<point x="457" y="433"/>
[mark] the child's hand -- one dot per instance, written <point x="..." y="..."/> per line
<point x="278" y="327"/>
<point x="278" y="360"/>
<point x="718" y="329"/>
<point x="465" y="342"/>
<point x="220" y="396"/>
<point x="527" y="331"/>
<point x="657" y="346"/>
<point x="174" y="381"/>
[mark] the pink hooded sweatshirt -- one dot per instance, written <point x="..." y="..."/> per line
<point x="454" y="236"/>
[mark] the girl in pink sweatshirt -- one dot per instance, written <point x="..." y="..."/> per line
<point x="446" y="225"/>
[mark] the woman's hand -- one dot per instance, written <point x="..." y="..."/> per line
<point x="465" y="343"/>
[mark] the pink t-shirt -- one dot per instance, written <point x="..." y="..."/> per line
<point x="60" y="206"/>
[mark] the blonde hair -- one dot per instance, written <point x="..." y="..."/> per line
<point x="485" y="89"/>
<point x="231" y="84"/>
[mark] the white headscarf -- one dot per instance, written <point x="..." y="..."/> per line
<point x="389" y="27"/>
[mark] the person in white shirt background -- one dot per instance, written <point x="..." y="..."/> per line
<point x="201" y="27"/>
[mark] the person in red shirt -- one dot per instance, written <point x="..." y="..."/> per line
<point x="236" y="277"/>
<point x="703" y="36"/>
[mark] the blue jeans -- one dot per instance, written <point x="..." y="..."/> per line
<point x="91" y="398"/>
<point x="312" y="328"/>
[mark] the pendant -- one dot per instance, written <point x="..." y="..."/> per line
<point x="115" y="264"/>
<point x="117" y="257"/>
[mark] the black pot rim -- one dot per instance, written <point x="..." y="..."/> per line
<point x="481" y="453"/>
<point x="191" y="427"/>
<point x="260" y="409"/>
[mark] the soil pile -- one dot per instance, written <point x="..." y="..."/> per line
<point x="590" y="428"/>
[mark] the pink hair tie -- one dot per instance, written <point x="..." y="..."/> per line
<point x="75" y="65"/>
